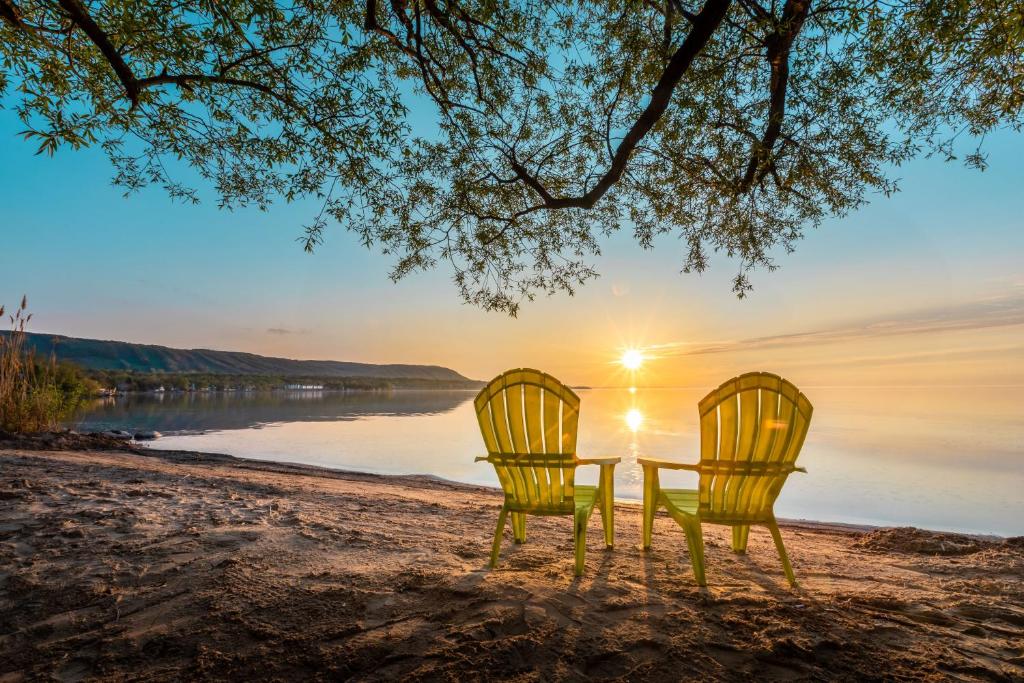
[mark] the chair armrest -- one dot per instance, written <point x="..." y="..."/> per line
<point x="559" y="460"/>
<point x="598" y="461"/>
<point x="667" y="464"/>
<point x="802" y="470"/>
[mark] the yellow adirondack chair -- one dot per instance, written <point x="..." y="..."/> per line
<point x="528" y="420"/>
<point x="751" y="431"/>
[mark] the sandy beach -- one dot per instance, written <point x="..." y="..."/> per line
<point x="167" y="566"/>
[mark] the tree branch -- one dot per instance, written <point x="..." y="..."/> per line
<point x="184" y="80"/>
<point x="704" y="26"/>
<point x="10" y="13"/>
<point x="779" y="44"/>
<point x="133" y="86"/>
<point x="78" y="13"/>
<point x="668" y="27"/>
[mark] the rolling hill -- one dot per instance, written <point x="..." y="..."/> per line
<point x="95" y="354"/>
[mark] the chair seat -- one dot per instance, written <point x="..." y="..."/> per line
<point x="584" y="500"/>
<point x="686" y="502"/>
<point x="682" y="501"/>
<point x="584" y="496"/>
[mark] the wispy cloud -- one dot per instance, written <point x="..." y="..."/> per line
<point x="284" y="330"/>
<point x="997" y="311"/>
<point x="925" y="357"/>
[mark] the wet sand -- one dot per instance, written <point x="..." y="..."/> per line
<point x="167" y="566"/>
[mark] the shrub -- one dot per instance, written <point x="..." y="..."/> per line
<point x="35" y="394"/>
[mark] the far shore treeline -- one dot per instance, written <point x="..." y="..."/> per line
<point x="125" y="367"/>
<point x="45" y="379"/>
<point x="129" y="381"/>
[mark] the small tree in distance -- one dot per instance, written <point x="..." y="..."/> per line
<point x="733" y="125"/>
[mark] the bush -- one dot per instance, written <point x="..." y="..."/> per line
<point x="35" y="394"/>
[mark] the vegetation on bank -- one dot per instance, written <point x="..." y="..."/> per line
<point x="36" y="392"/>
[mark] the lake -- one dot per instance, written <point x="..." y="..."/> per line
<point x="939" y="458"/>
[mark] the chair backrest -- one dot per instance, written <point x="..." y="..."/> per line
<point x="528" y="420"/>
<point x="751" y="431"/>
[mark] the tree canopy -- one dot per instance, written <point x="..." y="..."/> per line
<point x="501" y="138"/>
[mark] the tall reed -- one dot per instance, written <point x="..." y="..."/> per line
<point x="35" y="394"/>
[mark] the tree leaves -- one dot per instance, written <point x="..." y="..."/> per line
<point x="463" y="135"/>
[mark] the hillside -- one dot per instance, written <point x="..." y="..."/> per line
<point x="95" y="354"/>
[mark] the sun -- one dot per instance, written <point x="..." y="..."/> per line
<point x="632" y="359"/>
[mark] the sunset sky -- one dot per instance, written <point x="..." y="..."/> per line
<point x="926" y="287"/>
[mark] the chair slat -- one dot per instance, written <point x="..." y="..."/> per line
<point x="783" y="439"/>
<point x="757" y="423"/>
<point x="728" y="430"/>
<point x="570" y="424"/>
<point x="769" y="428"/>
<point x="534" y="435"/>
<point x="534" y="417"/>
<point x="729" y="427"/>
<point x="499" y="420"/>
<point x="552" y="421"/>
<point x="529" y="422"/>
<point x="737" y="489"/>
<point x="514" y="411"/>
<point x="762" y="491"/>
<point x="482" y="405"/>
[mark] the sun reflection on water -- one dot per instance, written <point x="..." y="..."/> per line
<point x="634" y="418"/>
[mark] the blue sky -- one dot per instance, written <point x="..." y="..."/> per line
<point x="145" y="269"/>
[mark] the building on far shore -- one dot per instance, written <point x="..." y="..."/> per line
<point x="304" y="387"/>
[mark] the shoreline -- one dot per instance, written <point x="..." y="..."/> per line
<point x="97" y="439"/>
<point x="170" y="565"/>
<point x="634" y="502"/>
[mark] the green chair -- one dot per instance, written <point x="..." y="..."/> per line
<point x="751" y="431"/>
<point x="528" y="420"/>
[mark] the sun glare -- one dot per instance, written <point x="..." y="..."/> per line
<point x="634" y="418"/>
<point x="632" y="359"/>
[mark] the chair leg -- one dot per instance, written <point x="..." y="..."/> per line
<point x="519" y="527"/>
<point x="695" y="544"/>
<point x="786" y="566"/>
<point x="608" y="504"/>
<point x="739" y="537"/>
<point x="608" y="522"/>
<point x="496" y="548"/>
<point x="650" y="503"/>
<point x="580" y="538"/>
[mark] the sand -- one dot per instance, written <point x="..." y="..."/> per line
<point x="171" y="566"/>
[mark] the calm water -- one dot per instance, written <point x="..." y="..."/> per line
<point x="936" y="458"/>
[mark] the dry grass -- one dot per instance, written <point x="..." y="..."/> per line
<point x="35" y="394"/>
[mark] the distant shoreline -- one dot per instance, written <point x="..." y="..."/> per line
<point x="268" y="390"/>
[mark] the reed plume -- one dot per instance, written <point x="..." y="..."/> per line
<point x="35" y="394"/>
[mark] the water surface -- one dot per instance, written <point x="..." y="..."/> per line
<point x="940" y="458"/>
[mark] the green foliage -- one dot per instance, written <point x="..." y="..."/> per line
<point x="36" y="394"/>
<point x="731" y="126"/>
